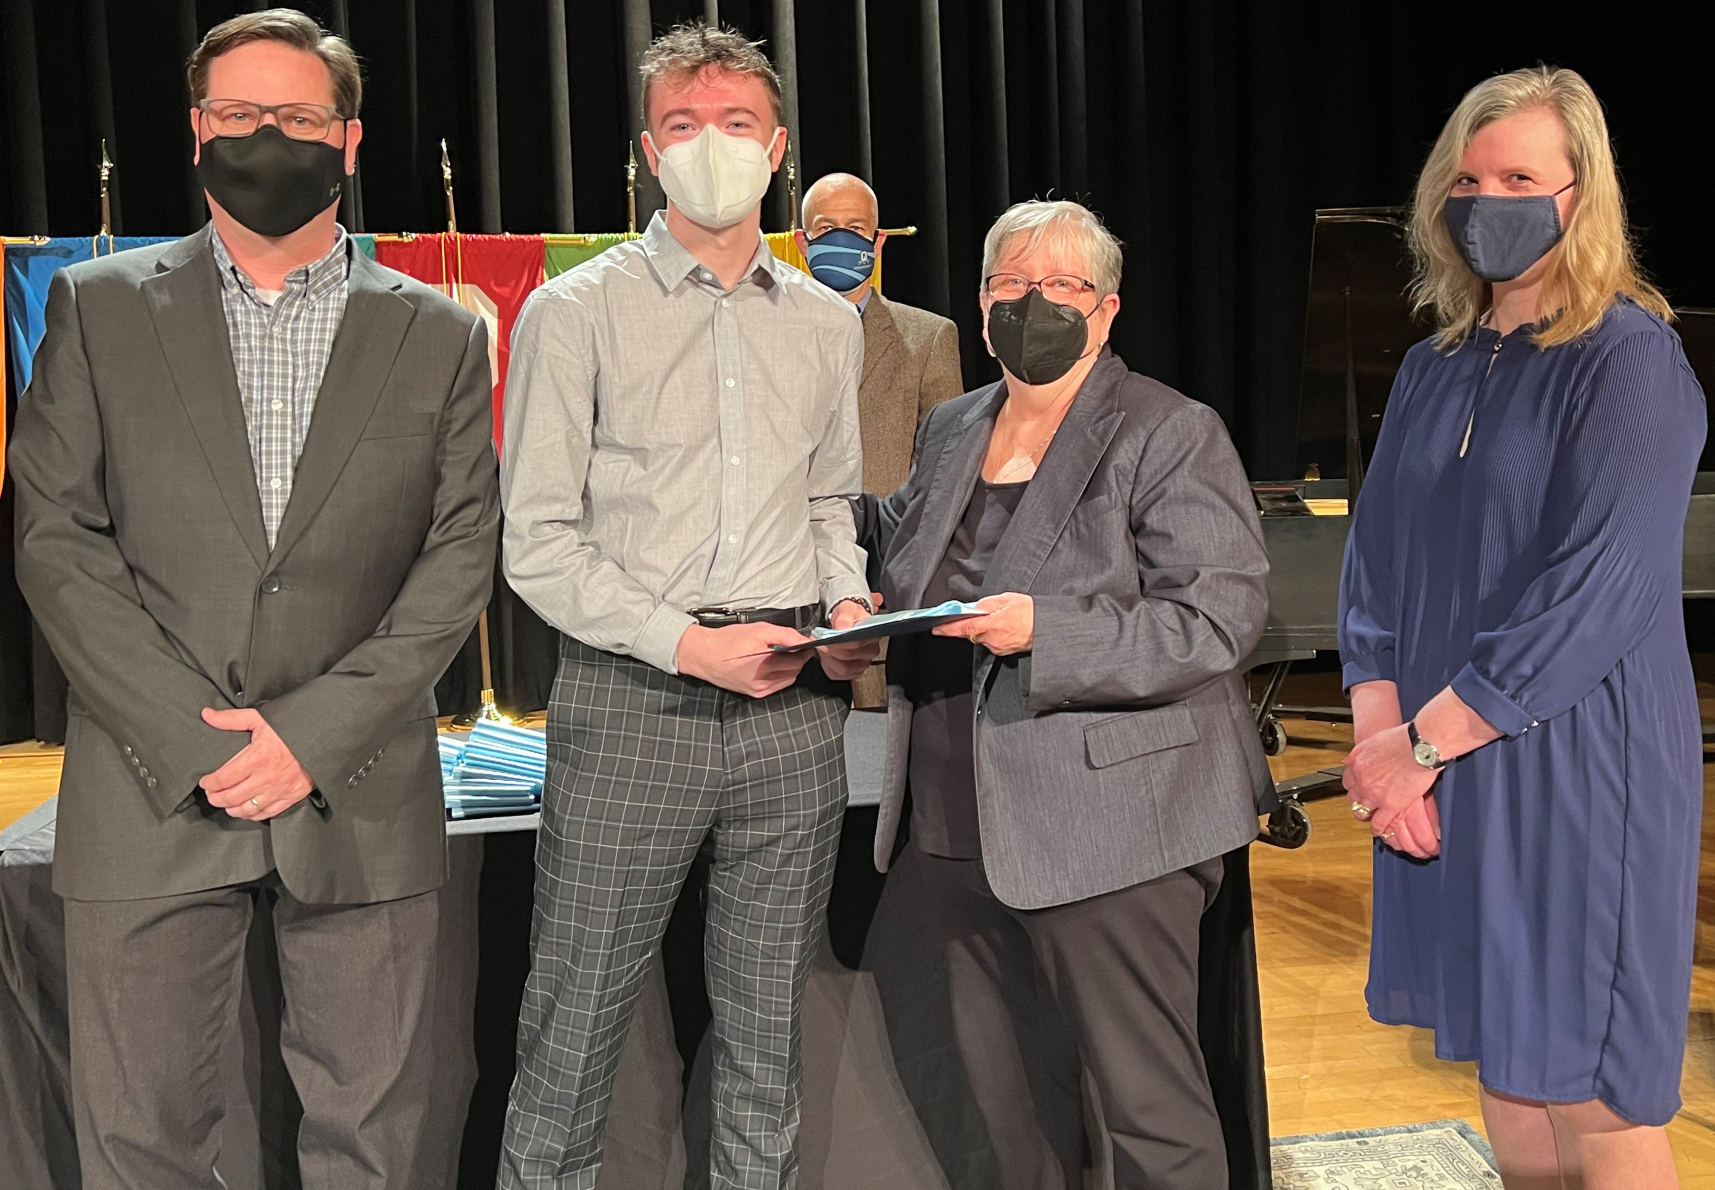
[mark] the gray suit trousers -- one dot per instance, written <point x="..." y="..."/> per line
<point x="642" y="766"/>
<point x="154" y="1000"/>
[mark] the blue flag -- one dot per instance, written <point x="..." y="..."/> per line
<point x="29" y="270"/>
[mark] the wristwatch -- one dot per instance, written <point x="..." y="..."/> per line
<point x="1422" y="750"/>
<point x="857" y="599"/>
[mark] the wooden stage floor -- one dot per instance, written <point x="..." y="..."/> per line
<point x="1329" y="1066"/>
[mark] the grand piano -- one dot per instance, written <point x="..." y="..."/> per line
<point x="1358" y="325"/>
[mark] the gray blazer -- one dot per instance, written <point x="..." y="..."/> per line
<point x="1122" y="747"/>
<point x="142" y="554"/>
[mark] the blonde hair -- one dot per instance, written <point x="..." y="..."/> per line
<point x="1593" y="264"/>
<point x="1068" y="224"/>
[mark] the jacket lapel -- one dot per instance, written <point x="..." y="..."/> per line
<point x="364" y="350"/>
<point x="1088" y="427"/>
<point x="880" y="336"/>
<point x="184" y="302"/>
<point x="954" y="477"/>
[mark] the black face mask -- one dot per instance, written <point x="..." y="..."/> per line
<point x="1038" y="340"/>
<point x="269" y="182"/>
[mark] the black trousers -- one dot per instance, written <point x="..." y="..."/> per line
<point x="1111" y="981"/>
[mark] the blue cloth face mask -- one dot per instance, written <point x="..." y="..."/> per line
<point x="842" y="260"/>
<point x="1501" y="236"/>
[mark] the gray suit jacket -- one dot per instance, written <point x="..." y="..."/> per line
<point x="1122" y="747"/>
<point x="142" y="554"/>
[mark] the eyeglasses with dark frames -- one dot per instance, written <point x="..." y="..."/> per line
<point x="240" y="117"/>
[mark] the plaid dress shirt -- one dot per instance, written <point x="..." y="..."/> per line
<point x="279" y="351"/>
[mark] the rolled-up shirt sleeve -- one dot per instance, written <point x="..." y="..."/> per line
<point x="546" y="557"/>
<point x="835" y="477"/>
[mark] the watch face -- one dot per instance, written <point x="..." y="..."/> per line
<point x="1426" y="755"/>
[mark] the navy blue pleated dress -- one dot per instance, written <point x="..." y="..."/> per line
<point x="1519" y="536"/>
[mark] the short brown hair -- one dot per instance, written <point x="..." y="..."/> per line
<point x="289" y="27"/>
<point x="686" y="50"/>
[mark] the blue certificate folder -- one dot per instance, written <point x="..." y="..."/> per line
<point x="497" y="769"/>
<point x="920" y="619"/>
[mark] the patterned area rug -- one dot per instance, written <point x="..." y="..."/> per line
<point x="1442" y="1155"/>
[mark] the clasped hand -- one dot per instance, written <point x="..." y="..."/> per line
<point x="263" y="780"/>
<point x="1384" y="777"/>
<point x="740" y="657"/>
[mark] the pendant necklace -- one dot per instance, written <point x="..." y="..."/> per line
<point x="1022" y="468"/>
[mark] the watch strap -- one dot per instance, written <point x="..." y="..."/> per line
<point x="1425" y="753"/>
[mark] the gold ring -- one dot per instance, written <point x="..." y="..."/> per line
<point x="1388" y="835"/>
<point x="1361" y="810"/>
<point x="256" y="803"/>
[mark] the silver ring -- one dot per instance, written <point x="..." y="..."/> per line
<point x="1388" y="835"/>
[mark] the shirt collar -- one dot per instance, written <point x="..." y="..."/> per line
<point x="316" y="279"/>
<point x="673" y="262"/>
<point x="863" y="303"/>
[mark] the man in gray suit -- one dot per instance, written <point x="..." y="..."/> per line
<point x="257" y="516"/>
<point x="910" y="356"/>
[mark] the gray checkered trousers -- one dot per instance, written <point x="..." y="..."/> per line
<point x="642" y="766"/>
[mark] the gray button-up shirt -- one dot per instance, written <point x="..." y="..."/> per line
<point x="670" y="445"/>
<point x="280" y="351"/>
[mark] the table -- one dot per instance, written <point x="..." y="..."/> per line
<point x="859" y="1128"/>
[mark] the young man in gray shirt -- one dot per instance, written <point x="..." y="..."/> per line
<point x="681" y="434"/>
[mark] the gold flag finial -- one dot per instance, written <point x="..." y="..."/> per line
<point x="631" y="184"/>
<point x="792" y="182"/>
<point x="106" y="199"/>
<point x="447" y="185"/>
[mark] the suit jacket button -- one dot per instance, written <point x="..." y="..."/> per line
<point x="128" y="749"/>
<point x="153" y="782"/>
<point x="135" y="763"/>
<point x="142" y="772"/>
<point x="270" y="585"/>
<point x="352" y="783"/>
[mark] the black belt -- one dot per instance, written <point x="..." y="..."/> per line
<point x="800" y="619"/>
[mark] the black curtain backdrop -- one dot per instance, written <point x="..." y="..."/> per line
<point x="1205" y="131"/>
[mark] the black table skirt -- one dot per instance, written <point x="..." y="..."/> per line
<point x="486" y="919"/>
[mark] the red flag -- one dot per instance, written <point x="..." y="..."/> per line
<point x="488" y="275"/>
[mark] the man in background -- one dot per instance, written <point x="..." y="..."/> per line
<point x="257" y="515"/>
<point x="910" y="356"/>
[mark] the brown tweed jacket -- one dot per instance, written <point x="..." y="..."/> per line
<point x="910" y="365"/>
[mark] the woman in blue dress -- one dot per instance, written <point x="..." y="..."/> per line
<point x="1529" y="753"/>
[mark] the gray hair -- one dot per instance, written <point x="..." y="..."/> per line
<point x="1023" y="227"/>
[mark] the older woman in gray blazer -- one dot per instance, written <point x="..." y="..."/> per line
<point x="1079" y="759"/>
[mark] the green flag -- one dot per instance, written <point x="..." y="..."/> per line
<point x="571" y="251"/>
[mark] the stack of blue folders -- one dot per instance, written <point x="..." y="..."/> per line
<point x="497" y="769"/>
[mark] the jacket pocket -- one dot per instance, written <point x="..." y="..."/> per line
<point x="1138" y="734"/>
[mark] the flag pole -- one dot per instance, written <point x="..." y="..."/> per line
<point x="490" y="710"/>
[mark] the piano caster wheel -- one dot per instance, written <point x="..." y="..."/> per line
<point x="1288" y="826"/>
<point x="1273" y="736"/>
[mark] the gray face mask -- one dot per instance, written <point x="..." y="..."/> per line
<point x="1501" y="236"/>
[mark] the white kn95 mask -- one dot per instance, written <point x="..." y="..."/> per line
<point x="714" y="179"/>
